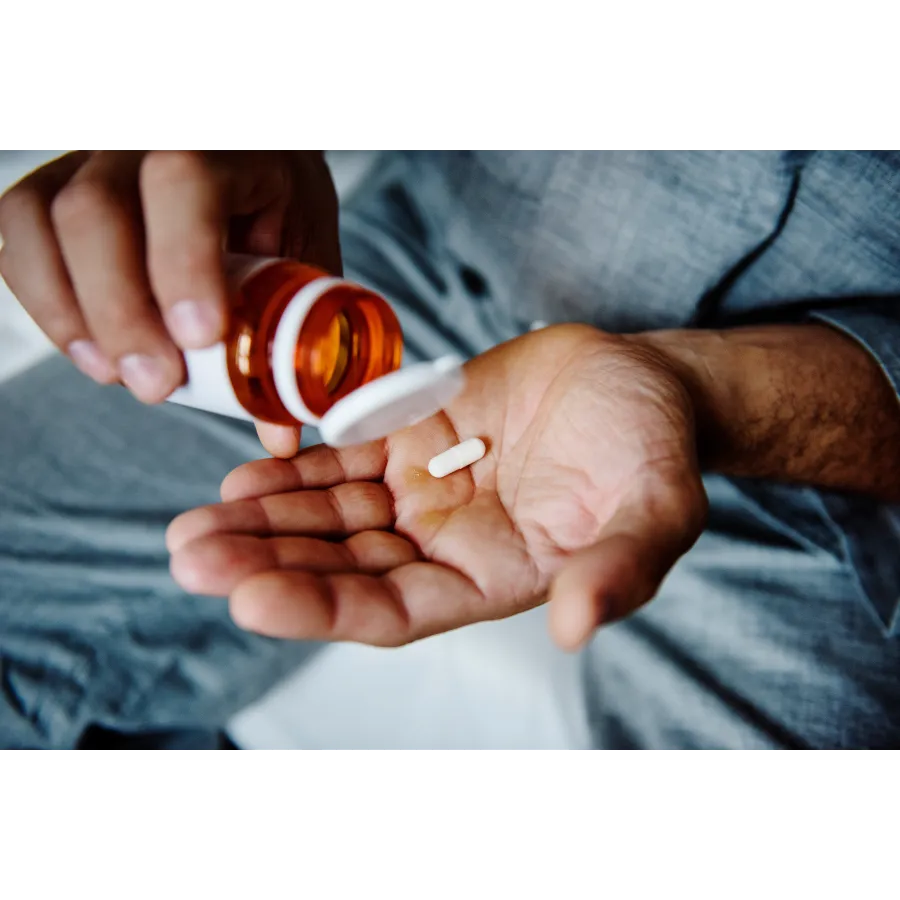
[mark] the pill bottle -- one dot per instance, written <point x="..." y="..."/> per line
<point x="300" y="347"/>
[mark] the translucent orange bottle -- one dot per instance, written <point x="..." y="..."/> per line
<point x="300" y="346"/>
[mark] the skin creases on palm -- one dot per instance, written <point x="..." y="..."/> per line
<point x="363" y="544"/>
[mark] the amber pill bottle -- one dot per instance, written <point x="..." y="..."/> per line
<point x="299" y="341"/>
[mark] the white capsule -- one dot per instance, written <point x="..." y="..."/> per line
<point x="457" y="457"/>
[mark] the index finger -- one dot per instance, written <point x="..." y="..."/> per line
<point x="184" y="218"/>
<point x="317" y="467"/>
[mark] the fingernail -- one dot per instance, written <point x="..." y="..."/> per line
<point x="91" y="361"/>
<point x="145" y="376"/>
<point x="194" y="324"/>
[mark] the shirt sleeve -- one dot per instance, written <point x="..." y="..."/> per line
<point x="876" y="327"/>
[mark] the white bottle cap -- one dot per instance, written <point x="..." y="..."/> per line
<point x="393" y="401"/>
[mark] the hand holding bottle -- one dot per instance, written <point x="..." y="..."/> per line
<point x="118" y="255"/>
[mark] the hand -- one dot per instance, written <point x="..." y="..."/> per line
<point x="589" y="492"/>
<point x="118" y="256"/>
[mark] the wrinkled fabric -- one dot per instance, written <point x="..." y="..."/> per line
<point x="777" y="630"/>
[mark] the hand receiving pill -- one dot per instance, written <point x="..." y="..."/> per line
<point x="370" y="543"/>
<point x="457" y="458"/>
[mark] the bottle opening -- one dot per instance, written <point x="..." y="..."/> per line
<point x="330" y="357"/>
<point x="350" y="337"/>
<point x="346" y="337"/>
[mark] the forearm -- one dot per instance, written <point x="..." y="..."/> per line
<point x="797" y="403"/>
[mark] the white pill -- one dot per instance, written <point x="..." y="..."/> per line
<point x="457" y="457"/>
<point x="537" y="325"/>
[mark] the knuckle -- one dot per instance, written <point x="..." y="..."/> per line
<point x="121" y="321"/>
<point x="185" y="263"/>
<point x="59" y="324"/>
<point x="121" y="330"/>
<point x="81" y="202"/>
<point x="166" y="166"/>
<point x="136" y="335"/>
<point x="19" y="201"/>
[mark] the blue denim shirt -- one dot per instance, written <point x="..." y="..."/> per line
<point x="639" y="240"/>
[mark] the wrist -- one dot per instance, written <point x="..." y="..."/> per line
<point x="798" y="403"/>
<point x="699" y="361"/>
<point x="745" y="385"/>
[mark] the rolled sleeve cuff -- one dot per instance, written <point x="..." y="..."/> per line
<point x="878" y="333"/>
<point x="871" y="530"/>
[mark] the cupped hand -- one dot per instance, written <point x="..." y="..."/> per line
<point x="589" y="492"/>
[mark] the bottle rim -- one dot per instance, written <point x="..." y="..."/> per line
<point x="284" y="347"/>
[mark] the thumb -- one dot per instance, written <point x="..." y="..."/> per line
<point x="282" y="441"/>
<point x="623" y="569"/>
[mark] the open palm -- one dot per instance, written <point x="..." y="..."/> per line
<point x="589" y="492"/>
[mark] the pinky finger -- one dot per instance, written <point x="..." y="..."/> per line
<point x="625" y="567"/>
